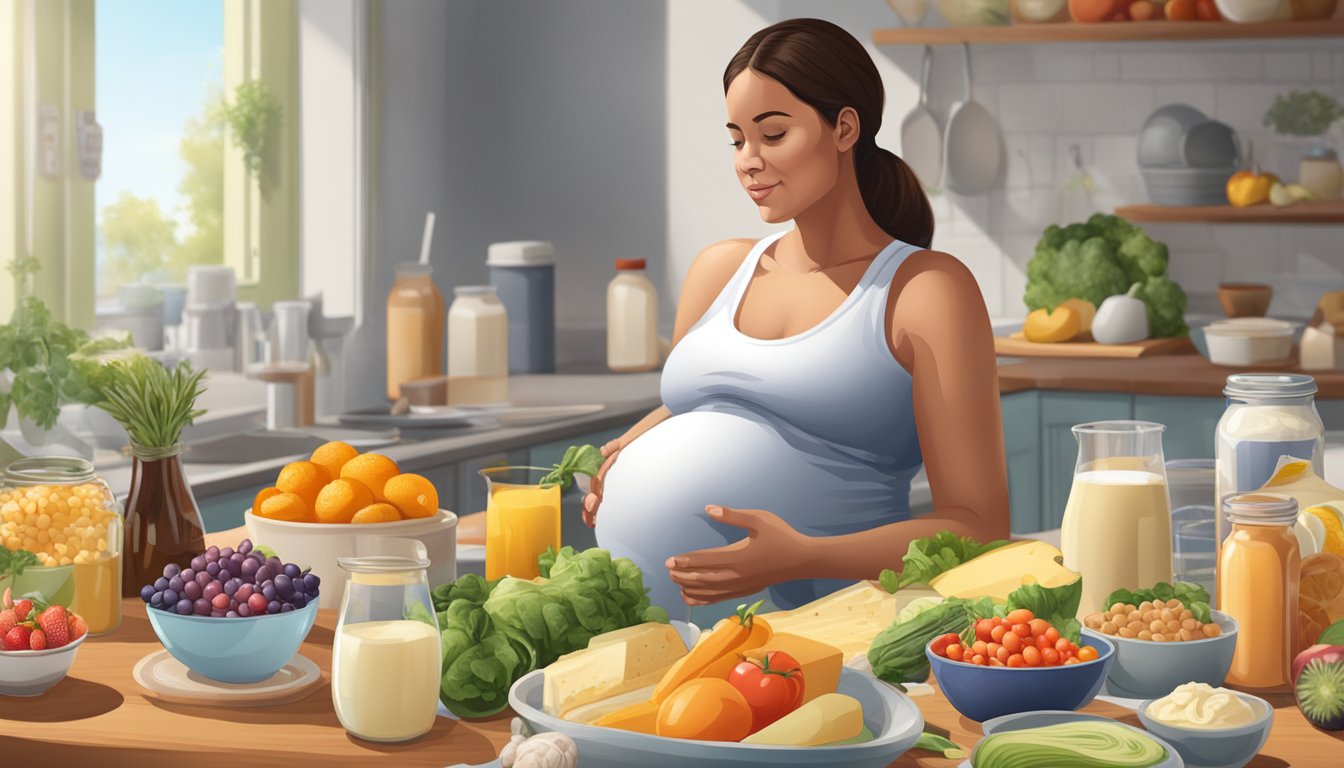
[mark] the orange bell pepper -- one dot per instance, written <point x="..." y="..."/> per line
<point x="1247" y="188"/>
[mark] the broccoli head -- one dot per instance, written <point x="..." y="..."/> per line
<point x="1083" y="269"/>
<point x="1166" y="307"/>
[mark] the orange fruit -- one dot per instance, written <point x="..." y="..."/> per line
<point x="332" y="456"/>
<point x="377" y="513"/>
<point x="373" y="470"/>
<point x="286" y="506"/>
<point x="262" y="496"/>
<point x="1320" y="596"/>
<point x="340" y="499"/>
<point x="303" y="479"/>
<point x="414" y="495"/>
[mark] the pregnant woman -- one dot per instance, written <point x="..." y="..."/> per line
<point x="811" y="370"/>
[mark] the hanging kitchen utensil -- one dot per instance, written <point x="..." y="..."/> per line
<point x="972" y="147"/>
<point x="921" y="137"/>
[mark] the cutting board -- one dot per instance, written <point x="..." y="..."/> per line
<point x="1017" y="345"/>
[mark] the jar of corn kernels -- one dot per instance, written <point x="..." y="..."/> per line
<point x="66" y="515"/>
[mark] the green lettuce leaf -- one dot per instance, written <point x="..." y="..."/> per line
<point x="578" y="459"/>
<point x="926" y="558"/>
<point x="1193" y="596"/>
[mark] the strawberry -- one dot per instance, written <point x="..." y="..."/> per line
<point x="7" y="603"/>
<point x="23" y="608"/>
<point x="8" y="621"/>
<point x="17" y="639"/>
<point x="37" y="640"/>
<point x="54" y="624"/>
<point x="78" y="627"/>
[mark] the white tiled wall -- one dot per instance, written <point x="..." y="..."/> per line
<point x="1048" y="98"/>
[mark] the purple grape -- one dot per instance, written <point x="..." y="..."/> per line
<point x="269" y="591"/>
<point x="286" y="608"/>
<point x="275" y="564"/>
<point x="175" y="584"/>
<point x="225" y="574"/>
<point x="244" y="610"/>
<point x="310" y="583"/>
<point x="212" y="569"/>
<point x="264" y="574"/>
<point x="299" y="600"/>
<point x="172" y="569"/>
<point x="160" y="584"/>
<point x="232" y="614"/>
<point x="212" y="552"/>
<point x="245" y="546"/>
<point x="220" y="602"/>
<point x="203" y="607"/>
<point x="191" y="590"/>
<point x="226" y="552"/>
<point x="198" y="563"/>
<point x="146" y="592"/>
<point x="187" y="575"/>
<point x="292" y="571"/>
<point x="212" y="590"/>
<point x="284" y="587"/>
<point x="216" y="614"/>
<point x="231" y="587"/>
<point x="184" y="607"/>
<point x="236" y="563"/>
<point x="273" y="606"/>
<point x="298" y="586"/>
<point x="156" y="600"/>
<point x="249" y="568"/>
<point x="171" y="596"/>
<point x="244" y="592"/>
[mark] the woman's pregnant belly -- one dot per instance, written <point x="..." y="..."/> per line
<point x="654" y="499"/>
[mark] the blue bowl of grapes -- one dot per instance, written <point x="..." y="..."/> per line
<point x="233" y="615"/>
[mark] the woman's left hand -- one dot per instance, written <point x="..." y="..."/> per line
<point x="771" y="553"/>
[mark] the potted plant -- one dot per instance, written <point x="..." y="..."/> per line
<point x="1310" y="114"/>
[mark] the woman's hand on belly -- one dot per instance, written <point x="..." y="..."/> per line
<point x="594" y="498"/>
<point x="772" y="552"/>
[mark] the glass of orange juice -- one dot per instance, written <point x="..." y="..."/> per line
<point x="522" y="519"/>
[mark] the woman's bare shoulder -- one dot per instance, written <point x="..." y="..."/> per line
<point x="933" y="276"/>
<point x="708" y="275"/>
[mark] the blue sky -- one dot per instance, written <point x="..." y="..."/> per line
<point x="155" y="59"/>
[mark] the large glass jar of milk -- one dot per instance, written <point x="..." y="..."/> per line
<point x="478" y="347"/>
<point x="1268" y="416"/>
<point x="1117" y="523"/>
<point x="385" y="667"/>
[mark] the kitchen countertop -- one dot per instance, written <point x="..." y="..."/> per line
<point x="99" y="715"/>
<point x="1185" y="375"/>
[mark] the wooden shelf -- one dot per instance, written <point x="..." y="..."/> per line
<point x="1331" y="212"/>
<point x="1110" y="32"/>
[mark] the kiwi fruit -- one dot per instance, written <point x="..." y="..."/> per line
<point x="1320" y="694"/>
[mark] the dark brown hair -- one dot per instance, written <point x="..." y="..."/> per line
<point x="827" y="69"/>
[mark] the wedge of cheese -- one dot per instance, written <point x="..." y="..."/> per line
<point x="640" y="717"/>
<point x="848" y="619"/>
<point x="820" y="662"/>
<point x="998" y="572"/>
<point x="830" y="718"/>
<point x="637" y="658"/>
<point x="590" y="714"/>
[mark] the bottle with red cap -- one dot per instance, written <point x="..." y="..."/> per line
<point x="632" y="319"/>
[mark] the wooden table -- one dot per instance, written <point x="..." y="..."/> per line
<point x="99" y="715"/>
<point x="1187" y="375"/>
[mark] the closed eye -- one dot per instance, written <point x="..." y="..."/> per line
<point x="775" y="137"/>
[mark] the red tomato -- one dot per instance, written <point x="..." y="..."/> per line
<point x="1052" y="635"/>
<point x="996" y="634"/>
<point x="955" y="652"/>
<point x="1032" y="656"/>
<point x="978" y="659"/>
<point x="1087" y="653"/>
<point x="1022" y="630"/>
<point x="1038" y="626"/>
<point x="940" y="643"/>
<point x="773" y="688"/>
<point x="1206" y="10"/>
<point x="1013" y="642"/>
<point x="982" y="629"/>
<point x="1020" y="616"/>
<point x="1050" y="657"/>
<point x="980" y="647"/>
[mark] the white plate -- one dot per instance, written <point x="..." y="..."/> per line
<point x="170" y="680"/>
<point x="506" y="415"/>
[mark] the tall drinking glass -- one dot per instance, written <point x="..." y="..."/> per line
<point x="522" y="519"/>
<point x="1117" y="524"/>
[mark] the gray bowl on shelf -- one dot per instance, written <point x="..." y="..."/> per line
<point x="1162" y="138"/>
<point x="1181" y="186"/>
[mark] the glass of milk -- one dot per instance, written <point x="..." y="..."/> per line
<point x="385" y="665"/>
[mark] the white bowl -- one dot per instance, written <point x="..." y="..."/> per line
<point x="1249" y="341"/>
<point x="318" y="545"/>
<point x="1216" y="747"/>
<point x="31" y="673"/>
<point x="1250" y="11"/>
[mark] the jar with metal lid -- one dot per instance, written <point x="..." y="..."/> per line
<point x="60" y="510"/>
<point x="1258" y="579"/>
<point x="1268" y="416"/>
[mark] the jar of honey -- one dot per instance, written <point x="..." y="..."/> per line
<point x="62" y="512"/>
<point x="1258" y="579"/>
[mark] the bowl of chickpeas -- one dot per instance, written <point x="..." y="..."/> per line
<point x="1160" y="644"/>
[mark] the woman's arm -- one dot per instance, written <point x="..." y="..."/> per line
<point x="940" y="332"/>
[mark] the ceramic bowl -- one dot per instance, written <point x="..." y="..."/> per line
<point x="984" y="693"/>
<point x="241" y="650"/>
<point x="1045" y="719"/>
<point x="1245" y="299"/>
<point x="1144" y="669"/>
<point x="1162" y="138"/>
<point x="1245" y="341"/>
<point x="31" y="673"/>
<point x="1219" y="747"/>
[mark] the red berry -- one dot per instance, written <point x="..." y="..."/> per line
<point x="8" y="621"/>
<point x="78" y="627"/>
<point x="22" y="609"/>
<point x="37" y="640"/>
<point x="54" y="622"/>
<point x="257" y="602"/>
<point x="17" y="639"/>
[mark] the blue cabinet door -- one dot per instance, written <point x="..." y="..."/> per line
<point x="1191" y="422"/>
<point x="1060" y="412"/>
<point x="1022" y="445"/>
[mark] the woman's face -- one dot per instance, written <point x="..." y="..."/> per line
<point x="786" y="155"/>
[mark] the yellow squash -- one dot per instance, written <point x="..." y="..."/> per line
<point x="1046" y="327"/>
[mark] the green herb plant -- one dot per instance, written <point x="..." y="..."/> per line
<point x="13" y="561"/>
<point x="152" y="403"/>
<point x="578" y="459"/>
<point x="253" y="118"/>
<point x="928" y="557"/>
<point x="1303" y="113"/>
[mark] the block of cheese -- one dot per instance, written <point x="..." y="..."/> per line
<point x="848" y="619"/>
<point x="589" y="714"/>
<point x="820" y="662"/>
<point x="998" y="572"/>
<point x="641" y="717"/>
<point x="830" y="718"/>
<point x="637" y="658"/>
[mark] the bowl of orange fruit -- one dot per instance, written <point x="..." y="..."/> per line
<point x="343" y="503"/>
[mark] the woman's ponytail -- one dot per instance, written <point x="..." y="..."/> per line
<point x="893" y="195"/>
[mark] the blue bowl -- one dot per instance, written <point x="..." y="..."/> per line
<point x="242" y="650"/>
<point x="984" y="693"/>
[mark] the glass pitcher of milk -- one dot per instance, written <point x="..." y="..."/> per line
<point x="385" y="667"/>
<point x="1117" y="524"/>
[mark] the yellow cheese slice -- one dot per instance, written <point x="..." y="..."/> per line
<point x="638" y="658"/>
<point x="829" y="718"/>
<point x="998" y="572"/>
<point x="848" y="619"/>
<point x="820" y="662"/>
<point x="589" y="714"/>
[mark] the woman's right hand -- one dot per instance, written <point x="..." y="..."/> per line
<point x="594" y="498"/>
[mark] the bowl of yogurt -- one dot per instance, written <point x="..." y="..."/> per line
<point x="1210" y="727"/>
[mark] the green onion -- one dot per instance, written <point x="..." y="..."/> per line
<point x="152" y="403"/>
